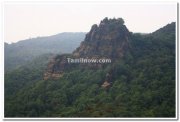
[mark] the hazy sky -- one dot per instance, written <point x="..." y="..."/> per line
<point x="28" y="20"/>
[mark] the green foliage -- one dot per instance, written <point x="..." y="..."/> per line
<point x="143" y="85"/>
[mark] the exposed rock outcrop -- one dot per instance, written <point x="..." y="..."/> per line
<point x="108" y="81"/>
<point x="109" y="39"/>
<point x="56" y="67"/>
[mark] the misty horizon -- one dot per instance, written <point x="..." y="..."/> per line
<point x="28" y="38"/>
<point x="11" y="42"/>
<point x="31" y="20"/>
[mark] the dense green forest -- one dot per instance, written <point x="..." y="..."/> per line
<point x="143" y="84"/>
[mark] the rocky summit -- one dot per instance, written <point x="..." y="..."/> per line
<point x="109" y="39"/>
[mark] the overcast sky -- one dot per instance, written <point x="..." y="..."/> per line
<point x="28" y="20"/>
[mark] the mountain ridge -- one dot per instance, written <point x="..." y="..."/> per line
<point x="140" y="83"/>
<point x="26" y="50"/>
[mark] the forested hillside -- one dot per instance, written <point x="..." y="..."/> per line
<point x="141" y="78"/>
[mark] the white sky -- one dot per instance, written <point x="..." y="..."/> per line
<point x="27" y="20"/>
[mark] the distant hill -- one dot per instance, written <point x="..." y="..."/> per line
<point x="19" y="53"/>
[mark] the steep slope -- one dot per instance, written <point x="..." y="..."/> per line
<point x="109" y="39"/>
<point x="17" y="54"/>
<point x="142" y="82"/>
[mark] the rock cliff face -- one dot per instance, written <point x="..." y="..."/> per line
<point x="56" y="66"/>
<point x="109" y="39"/>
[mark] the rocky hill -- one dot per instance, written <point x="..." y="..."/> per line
<point x="109" y="39"/>
<point x="139" y="82"/>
